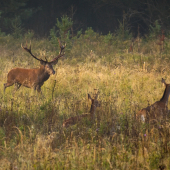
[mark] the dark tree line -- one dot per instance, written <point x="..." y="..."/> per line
<point x="102" y="15"/>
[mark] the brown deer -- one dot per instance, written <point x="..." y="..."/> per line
<point x="90" y="116"/>
<point x="157" y="110"/>
<point x="33" y="78"/>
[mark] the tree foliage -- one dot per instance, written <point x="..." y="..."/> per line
<point x="14" y="13"/>
<point x="102" y="15"/>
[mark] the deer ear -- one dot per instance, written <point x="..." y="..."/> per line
<point x="89" y="97"/>
<point x="163" y="81"/>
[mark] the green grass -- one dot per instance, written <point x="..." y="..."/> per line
<point x="31" y="132"/>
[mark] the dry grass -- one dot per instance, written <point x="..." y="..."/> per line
<point x="31" y="133"/>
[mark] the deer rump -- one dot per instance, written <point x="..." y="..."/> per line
<point x="27" y="77"/>
<point x="155" y="111"/>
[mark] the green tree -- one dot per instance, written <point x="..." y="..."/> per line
<point x="62" y="32"/>
<point x="14" y="14"/>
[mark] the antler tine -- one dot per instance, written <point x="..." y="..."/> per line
<point x="55" y="60"/>
<point x="30" y="45"/>
<point x="29" y="51"/>
<point x="59" y="42"/>
<point x="61" y="46"/>
<point x="46" y="59"/>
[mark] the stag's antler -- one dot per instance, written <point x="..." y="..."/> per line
<point x="29" y="51"/>
<point x="61" y="46"/>
<point x="55" y="60"/>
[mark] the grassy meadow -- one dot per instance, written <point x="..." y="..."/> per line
<point x="31" y="132"/>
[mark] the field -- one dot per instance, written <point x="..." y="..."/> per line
<point x="31" y="132"/>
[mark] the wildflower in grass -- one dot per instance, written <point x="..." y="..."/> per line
<point x="145" y="135"/>
<point x="97" y="130"/>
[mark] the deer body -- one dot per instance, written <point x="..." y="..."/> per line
<point x="158" y="109"/>
<point x="76" y="119"/>
<point x="32" y="78"/>
<point x="154" y="111"/>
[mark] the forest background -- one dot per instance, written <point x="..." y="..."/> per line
<point x="104" y="16"/>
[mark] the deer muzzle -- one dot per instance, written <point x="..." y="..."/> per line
<point x="53" y="72"/>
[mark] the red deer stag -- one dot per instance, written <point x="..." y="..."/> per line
<point x="76" y="119"/>
<point x="33" y="78"/>
<point x="157" y="110"/>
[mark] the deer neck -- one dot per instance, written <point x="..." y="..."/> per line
<point x="165" y="96"/>
<point x="92" y="109"/>
<point x="43" y="75"/>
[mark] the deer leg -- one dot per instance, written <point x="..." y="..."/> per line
<point x="17" y="86"/>
<point x="8" y="84"/>
<point x="38" y="88"/>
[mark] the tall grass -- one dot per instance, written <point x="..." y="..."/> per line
<point x="31" y="132"/>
